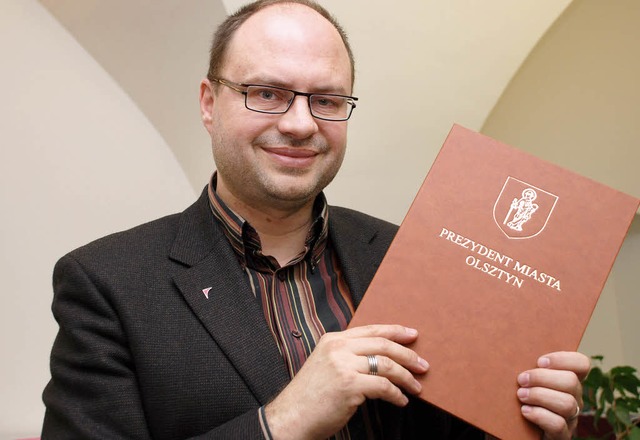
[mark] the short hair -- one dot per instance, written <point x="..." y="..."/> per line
<point x="232" y="23"/>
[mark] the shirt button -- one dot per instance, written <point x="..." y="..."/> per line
<point x="296" y="333"/>
<point x="282" y="276"/>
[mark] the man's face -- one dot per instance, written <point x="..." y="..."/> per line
<point x="278" y="161"/>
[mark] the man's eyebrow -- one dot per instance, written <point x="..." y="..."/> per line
<point x="270" y="81"/>
<point x="331" y="90"/>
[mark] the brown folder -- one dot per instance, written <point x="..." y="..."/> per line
<point x="500" y="259"/>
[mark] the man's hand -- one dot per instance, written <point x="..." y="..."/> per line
<point x="335" y="380"/>
<point x="552" y="393"/>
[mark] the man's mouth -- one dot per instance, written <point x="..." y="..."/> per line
<point x="297" y="157"/>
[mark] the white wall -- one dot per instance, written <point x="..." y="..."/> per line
<point x="157" y="52"/>
<point x="77" y="160"/>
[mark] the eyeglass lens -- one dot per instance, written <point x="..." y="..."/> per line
<point x="273" y="100"/>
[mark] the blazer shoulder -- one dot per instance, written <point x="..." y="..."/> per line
<point x="350" y="218"/>
<point x="149" y="239"/>
<point x="152" y="237"/>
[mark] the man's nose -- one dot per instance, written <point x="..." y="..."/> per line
<point x="298" y="121"/>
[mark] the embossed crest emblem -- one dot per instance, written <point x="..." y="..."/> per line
<point x="523" y="210"/>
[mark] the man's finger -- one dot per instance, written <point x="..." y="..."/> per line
<point x="559" y="380"/>
<point x="397" y="333"/>
<point x="372" y="345"/>
<point x="563" y="404"/>
<point x="389" y="369"/>
<point x="376" y="387"/>
<point x="554" y="426"/>
<point x="566" y="360"/>
<point x="395" y="352"/>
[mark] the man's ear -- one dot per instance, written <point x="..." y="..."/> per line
<point x="206" y="104"/>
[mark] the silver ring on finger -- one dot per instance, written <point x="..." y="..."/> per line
<point x="373" y="364"/>
<point x="575" y="416"/>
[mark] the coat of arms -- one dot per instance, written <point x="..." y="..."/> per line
<point x="522" y="210"/>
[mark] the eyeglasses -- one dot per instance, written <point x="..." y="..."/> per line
<point x="276" y="100"/>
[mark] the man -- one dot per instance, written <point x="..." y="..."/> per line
<point x="228" y="320"/>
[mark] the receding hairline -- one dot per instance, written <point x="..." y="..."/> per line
<point x="227" y="30"/>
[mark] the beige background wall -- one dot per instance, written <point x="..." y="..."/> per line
<point x="77" y="160"/>
<point x="97" y="133"/>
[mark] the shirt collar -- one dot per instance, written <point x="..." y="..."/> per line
<point x="245" y="240"/>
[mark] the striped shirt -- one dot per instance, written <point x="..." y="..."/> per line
<point x="301" y="300"/>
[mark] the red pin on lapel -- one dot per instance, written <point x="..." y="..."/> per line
<point x="206" y="292"/>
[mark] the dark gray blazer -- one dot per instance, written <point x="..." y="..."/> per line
<point x="143" y="353"/>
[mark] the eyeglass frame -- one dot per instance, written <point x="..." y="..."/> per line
<point x="237" y="87"/>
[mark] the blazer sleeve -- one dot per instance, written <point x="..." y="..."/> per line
<point x="93" y="391"/>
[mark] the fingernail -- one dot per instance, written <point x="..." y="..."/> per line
<point x="405" y="400"/>
<point x="523" y="393"/>
<point x="523" y="379"/>
<point x="544" y="362"/>
<point x="411" y="331"/>
<point x="416" y="386"/>
<point x="526" y="409"/>
<point x="424" y="364"/>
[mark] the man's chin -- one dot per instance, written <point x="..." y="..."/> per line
<point x="293" y="196"/>
<point x="297" y="189"/>
<point x="296" y="193"/>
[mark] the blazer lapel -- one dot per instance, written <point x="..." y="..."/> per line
<point x="218" y="292"/>
<point x="360" y="244"/>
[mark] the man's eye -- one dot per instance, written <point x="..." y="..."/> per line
<point x="268" y="94"/>
<point x="328" y="102"/>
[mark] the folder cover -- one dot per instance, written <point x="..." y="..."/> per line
<point x="499" y="260"/>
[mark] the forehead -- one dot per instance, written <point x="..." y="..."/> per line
<point x="290" y="42"/>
